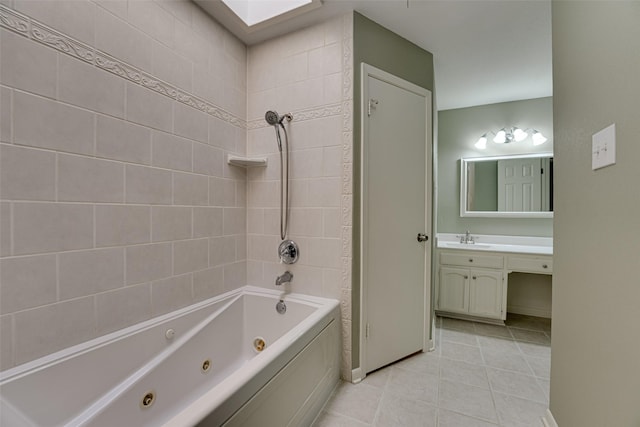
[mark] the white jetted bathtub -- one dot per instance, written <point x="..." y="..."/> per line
<point x="231" y="360"/>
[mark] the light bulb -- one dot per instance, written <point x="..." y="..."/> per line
<point x="538" y="138"/>
<point x="501" y="137"/>
<point x="482" y="142"/>
<point x="519" y="134"/>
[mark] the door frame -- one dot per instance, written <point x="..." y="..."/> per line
<point x="366" y="72"/>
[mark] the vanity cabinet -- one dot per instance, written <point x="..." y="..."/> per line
<point x="473" y="291"/>
<point x="474" y="284"/>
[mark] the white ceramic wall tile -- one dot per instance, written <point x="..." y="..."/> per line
<point x="27" y="174"/>
<point x="85" y="273"/>
<point x="235" y="275"/>
<point x="146" y="185"/>
<point x="27" y="282"/>
<point x="84" y="179"/>
<point x="208" y="283"/>
<point x="41" y="122"/>
<point x="122" y="307"/>
<point x="6" y="342"/>
<point x="171" y="223"/>
<point x="6" y="126"/>
<point x="5" y="229"/>
<point x="172" y="152"/>
<point x="207" y="222"/>
<point x="28" y="66"/>
<point x="121" y="140"/>
<point x="68" y="323"/>
<point x="222" y="250"/>
<point x="119" y="39"/>
<point x="86" y="86"/>
<point x="208" y="160"/>
<point x="118" y="225"/>
<point x="148" y="262"/>
<point x="149" y="108"/>
<point x="190" y="123"/>
<point x="190" y="189"/>
<point x="171" y="294"/>
<point x="150" y="19"/>
<point x="47" y="227"/>
<point x="190" y="255"/>
<point x="73" y="17"/>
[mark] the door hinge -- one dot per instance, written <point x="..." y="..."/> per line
<point x="372" y="104"/>
<point x="366" y="331"/>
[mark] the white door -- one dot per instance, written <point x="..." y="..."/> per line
<point x="396" y="168"/>
<point x="519" y="185"/>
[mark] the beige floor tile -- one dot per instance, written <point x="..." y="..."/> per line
<point x="504" y="345"/>
<point x="492" y="330"/>
<point x="413" y="385"/>
<point x="427" y="363"/>
<point x="359" y="401"/>
<point x="516" y="384"/>
<point x="378" y="378"/>
<point x="465" y="353"/>
<point x="451" y="419"/>
<point x="531" y="336"/>
<point x="508" y="361"/>
<point x="517" y="412"/>
<point x="535" y="350"/>
<point x="459" y="325"/>
<point x="467" y="400"/>
<point x="399" y="410"/>
<point x="462" y="372"/>
<point x="325" y="419"/>
<point x="540" y="366"/>
<point x="460" y="337"/>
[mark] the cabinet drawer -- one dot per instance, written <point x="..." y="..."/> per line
<point x="542" y="265"/>
<point x="472" y="260"/>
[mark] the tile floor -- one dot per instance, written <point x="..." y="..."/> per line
<point x="479" y="376"/>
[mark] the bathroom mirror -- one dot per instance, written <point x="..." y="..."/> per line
<point x="519" y="186"/>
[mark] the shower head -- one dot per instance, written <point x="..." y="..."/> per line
<point x="272" y="118"/>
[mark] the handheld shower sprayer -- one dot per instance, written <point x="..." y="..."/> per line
<point x="275" y="120"/>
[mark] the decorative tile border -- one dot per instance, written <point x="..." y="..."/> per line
<point x="34" y="30"/>
<point x="309" y="114"/>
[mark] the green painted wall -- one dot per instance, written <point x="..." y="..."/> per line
<point x="458" y="130"/>
<point x="383" y="49"/>
<point x="595" y="347"/>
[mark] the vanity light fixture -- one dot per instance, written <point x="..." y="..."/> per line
<point x="512" y="134"/>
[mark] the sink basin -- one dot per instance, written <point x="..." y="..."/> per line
<point x="466" y="245"/>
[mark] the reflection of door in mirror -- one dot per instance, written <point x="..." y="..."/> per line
<point x="524" y="185"/>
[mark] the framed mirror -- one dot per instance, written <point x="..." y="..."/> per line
<point x="517" y="186"/>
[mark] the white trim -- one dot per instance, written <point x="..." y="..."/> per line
<point x="548" y="420"/>
<point x="367" y="71"/>
<point x="357" y="375"/>
<point x="530" y="311"/>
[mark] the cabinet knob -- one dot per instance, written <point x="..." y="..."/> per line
<point x="474" y="277"/>
<point x="466" y="277"/>
<point x="470" y="259"/>
<point x="545" y="266"/>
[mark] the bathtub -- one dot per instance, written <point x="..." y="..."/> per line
<point x="231" y="360"/>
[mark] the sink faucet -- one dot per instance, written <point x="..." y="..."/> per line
<point x="467" y="238"/>
<point x="287" y="277"/>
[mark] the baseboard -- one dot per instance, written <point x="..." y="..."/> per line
<point x="356" y="375"/>
<point x="529" y="311"/>
<point x="548" y="420"/>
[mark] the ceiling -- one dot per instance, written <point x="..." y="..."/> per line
<point x="484" y="51"/>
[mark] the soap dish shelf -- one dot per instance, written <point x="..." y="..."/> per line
<point x="247" y="162"/>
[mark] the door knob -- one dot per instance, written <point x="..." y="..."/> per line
<point x="422" y="237"/>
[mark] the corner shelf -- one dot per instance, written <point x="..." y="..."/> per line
<point x="247" y="162"/>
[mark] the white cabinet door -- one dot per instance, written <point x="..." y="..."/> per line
<point x="453" y="293"/>
<point x="485" y="293"/>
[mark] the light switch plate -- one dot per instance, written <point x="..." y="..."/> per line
<point x="603" y="147"/>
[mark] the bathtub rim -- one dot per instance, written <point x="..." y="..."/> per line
<point x="67" y="353"/>
<point x="261" y="369"/>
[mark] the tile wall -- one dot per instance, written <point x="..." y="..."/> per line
<point x="117" y="203"/>
<point x="308" y="73"/>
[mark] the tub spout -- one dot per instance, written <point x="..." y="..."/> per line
<point x="284" y="278"/>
